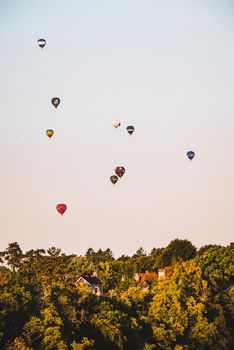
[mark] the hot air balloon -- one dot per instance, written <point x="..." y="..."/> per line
<point x="41" y="43"/>
<point x="190" y="155"/>
<point x="130" y="129"/>
<point x="116" y="123"/>
<point x="119" y="170"/>
<point x="114" y="179"/>
<point x="61" y="208"/>
<point x="49" y="133"/>
<point x="55" y="101"/>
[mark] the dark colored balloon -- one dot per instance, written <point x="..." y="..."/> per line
<point x="41" y="43"/>
<point x="55" y="101"/>
<point x="114" y="179"/>
<point x="130" y="129"/>
<point x="190" y="155"/>
<point x="119" y="171"/>
<point x="61" y="208"/>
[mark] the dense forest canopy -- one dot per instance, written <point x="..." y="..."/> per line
<point x="43" y="307"/>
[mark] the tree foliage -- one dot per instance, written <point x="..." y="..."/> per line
<point x="43" y="308"/>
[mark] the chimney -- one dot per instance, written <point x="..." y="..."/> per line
<point x="136" y="277"/>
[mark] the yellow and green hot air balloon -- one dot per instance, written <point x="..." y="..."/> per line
<point x="49" y="133"/>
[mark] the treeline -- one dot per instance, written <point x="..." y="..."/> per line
<point x="42" y="307"/>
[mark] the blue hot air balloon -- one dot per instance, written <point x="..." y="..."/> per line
<point x="190" y="155"/>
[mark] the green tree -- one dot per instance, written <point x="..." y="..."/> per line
<point x="33" y="332"/>
<point x="81" y="265"/>
<point x="13" y="256"/>
<point x="177" y="249"/>
<point x="126" y="268"/>
<point x="181" y="313"/>
<point x="108" y="321"/>
<point x="140" y="252"/>
<point x="46" y="331"/>
<point x="141" y="261"/>
<point x="148" y="346"/>
<point x="42" y="307"/>
<point x="15" y="307"/>
<point x="136" y="299"/>
<point x="100" y="255"/>
<point x="218" y="266"/>
<point x="18" y="344"/>
<point x="86" y="344"/>
<point x="54" y="252"/>
<point x="154" y="256"/>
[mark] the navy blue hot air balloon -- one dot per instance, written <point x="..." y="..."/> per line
<point x="190" y="155"/>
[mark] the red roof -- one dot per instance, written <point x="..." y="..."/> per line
<point x="148" y="277"/>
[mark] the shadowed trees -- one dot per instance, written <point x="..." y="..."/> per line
<point x="43" y="308"/>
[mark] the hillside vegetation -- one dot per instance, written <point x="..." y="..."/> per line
<point x="42" y="307"/>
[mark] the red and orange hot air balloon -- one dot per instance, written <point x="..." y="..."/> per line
<point x="119" y="170"/>
<point x="61" y="208"/>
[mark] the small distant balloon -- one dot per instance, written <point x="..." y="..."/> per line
<point x="61" y="208"/>
<point x="116" y="123"/>
<point x="49" y="133"/>
<point x="41" y="43"/>
<point x="114" y="179"/>
<point x="119" y="170"/>
<point x="130" y="129"/>
<point x="190" y="155"/>
<point x="55" y="101"/>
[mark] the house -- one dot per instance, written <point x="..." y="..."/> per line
<point x="163" y="272"/>
<point x="146" y="279"/>
<point x="93" y="283"/>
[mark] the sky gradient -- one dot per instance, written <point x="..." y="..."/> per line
<point x="165" y="67"/>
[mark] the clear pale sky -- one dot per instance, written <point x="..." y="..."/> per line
<point x="164" y="66"/>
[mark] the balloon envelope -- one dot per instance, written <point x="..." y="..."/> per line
<point x="190" y="155"/>
<point x="61" y="208"/>
<point x="119" y="170"/>
<point x="116" y="123"/>
<point x="55" y="101"/>
<point x="41" y="43"/>
<point x="49" y="133"/>
<point x="130" y="129"/>
<point x="114" y="179"/>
